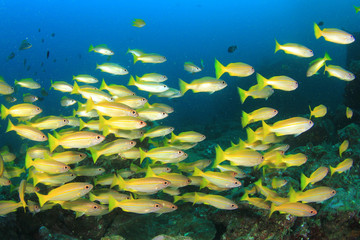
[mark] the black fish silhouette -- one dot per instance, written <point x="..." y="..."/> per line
<point x="25" y="45"/>
<point x="232" y="49"/>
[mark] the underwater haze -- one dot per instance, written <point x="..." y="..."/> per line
<point x="58" y="35"/>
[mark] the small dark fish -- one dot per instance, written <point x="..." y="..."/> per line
<point x="42" y="64"/>
<point x="47" y="54"/>
<point x="232" y="49"/>
<point x="66" y="59"/>
<point x="108" y="58"/>
<point x="28" y="68"/>
<point x="25" y="62"/>
<point x="79" y="55"/>
<point x="40" y="99"/>
<point x="320" y="23"/>
<point x="11" y="56"/>
<point x="53" y="34"/>
<point x="10" y="99"/>
<point x="44" y="92"/>
<point x="25" y="45"/>
<point x="54" y="60"/>
<point x="42" y="40"/>
<point x="39" y="30"/>
<point x="35" y="73"/>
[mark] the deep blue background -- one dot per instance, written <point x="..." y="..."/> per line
<point x="182" y="31"/>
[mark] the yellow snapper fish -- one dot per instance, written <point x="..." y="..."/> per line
<point x="27" y="132"/>
<point x="20" y="110"/>
<point x="138" y="23"/>
<point x="349" y="113"/>
<point x="68" y="157"/>
<point x="111" y="109"/>
<point x="342" y="167"/>
<point x="28" y="83"/>
<point x="12" y="172"/>
<point x="317" y="64"/>
<point x="161" y="154"/>
<point x="339" y="72"/>
<point x="129" y="134"/>
<point x="5" y="88"/>
<point x="149" y="58"/>
<point x="114" y="147"/>
<point x="237" y="69"/>
<point x="102" y="195"/>
<point x="170" y="93"/>
<point x="66" y="192"/>
<point x="112" y="68"/>
<point x="296" y="209"/>
<point x="217" y="201"/>
<point x="52" y="179"/>
<point x="190" y="136"/>
<point x="255" y="92"/>
<point x="153" y="87"/>
<point x="238" y="157"/>
<point x="220" y="179"/>
<point x="61" y="86"/>
<point x="46" y="165"/>
<point x="151" y="114"/>
<point x="144" y="185"/>
<point x="140" y="206"/>
<point x="318" y="175"/>
<point x="38" y="151"/>
<point x="117" y="90"/>
<point x="29" y="98"/>
<point x="158" y="131"/>
<point x="80" y="139"/>
<point x="85" y="78"/>
<point x="9" y="98"/>
<point x="124" y="123"/>
<point x="166" y="207"/>
<point x="277" y="82"/>
<point x="291" y="126"/>
<point x="278" y="182"/>
<point x="191" y="67"/>
<point x="166" y="108"/>
<point x="317" y="195"/>
<point x="343" y="147"/>
<point x="85" y="207"/>
<point x="8" y="206"/>
<point x="189" y="166"/>
<point x="229" y="168"/>
<point x="260" y="114"/>
<point x="88" y="171"/>
<point x="102" y="49"/>
<point x="49" y="122"/>
<point x="177" y="180"/>
<point x="257" y="202"/>
<point x="294" y="49"/>
<point x="333" y="35"/>
<point x="66" y="102"/>
<point x="136" y="52"/>
<point x="204" y="84"/>
<point x="318" y="111"/>
<point x="95" y="95"/>
<point x="152" y="77"/>
<point x="132" y="101"/>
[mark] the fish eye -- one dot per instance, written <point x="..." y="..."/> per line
<point x="179" y="152"/>
<point x="223" y="82"/>
<point x="36" y="207"/>
<point x="37" y="109"/>
<point x="87" y="187"/>
<point x="95" y="207"/>
<point x="142" y="122"/>
<point x="66" y="167"/>
<point x="99" y="169"/>
<point x="133" y="94"/>
<point x="71" y="175"/>
<point x="236" y="183"/>
<point x="132" y="142"/>
<point x="232" y="205"/>
<point x="164" y="86"/>
<point x="173" y="206"/>
<point x="189" y="181"/>
<point x="333" y="192"/>
<point x="98" y="137"/>
<point x="310" y="122"/>
<point x="311" y="211"/>
<point x="163" y="113"/>
<point x="36" y="189"/>
<point x="8" y="182"/>
<point x="125" y="70"/>
<point x="157" y="205"/>
<point x="134" y="112"/>
<point x="166" y="183"/>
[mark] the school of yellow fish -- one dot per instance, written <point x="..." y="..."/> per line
<point x="116" y="111"/>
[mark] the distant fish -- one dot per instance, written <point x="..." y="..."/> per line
<point x="10" y="99"/>
<point x="25" y="45"/>
<point x="321" y="23"/>
<point x="25" y="61"/>
<point x="11" y="56"/>
<point x="42" y="40"/>
<point x="54" y="60"/>
<point x="232" y="49"/>
<point x="102" y="49"/>
<point x="138" y="23"/>
<point x="53" y="34"/>
<point x="47" y="54"/>
<point x="44" y="93"/>
<point x="39" y="30"/>
<point x="42" y="64"/>
<point x="28" y="68"/>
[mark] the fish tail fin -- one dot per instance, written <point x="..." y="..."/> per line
<point x="311" y="113"/>
<point x="219" y="69"/>
<point x="4" y="112"/>
<point x="28" y="161"/>
<point x="277" y="46"/>
<point x="272" y="209"/>
<point x="135" y="168"/>
<point x="220" y="157"/>
<point x="327" y="57"/>
<point x="183" y="86"/>
<point x="112" y="203"/>
<point x="137" y="78"/>
<point x="332" y="170"/>
<point x="76" y="88"/>
<point x="10" y="126"/>
<point x="42" y="198"/>
<point x="82" y="124"/>
<point x="106" y="131"/>
<point x="94" y="154"/>
<point x="261" y="81"/>
<point x="317" y="31"/>
<point x="242" y="94"/>
<point x="53" y="142"/>
<point x="266" y="129"/>
<point x="34" y="178"/>
<point x="292" y="195"/>
<point x="357" y="9"/>
<point x="150" y="172"/>
<point x="196" y="198"/>
<point x="103" y="85"/>
<point x="245" y="119"/>
<point x="173" y="137"/>
<point x="177" y="198"/>
<point x="241" y="144"/>
<point x="250" y="135"/>
<point x="89" y="105"/>
<point x="102" y="122"/>
<point x="197" y="172"/>
<point x="131" y="81"/>
<point x="245" y="197"/>
<point x="304" y="181"/>
<point x="91" y="48"/>
<point x="142" y="155"/>
<point x="51" y="84"/>
<point x="118" y="181"/>
<point x="136" y="58"/>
